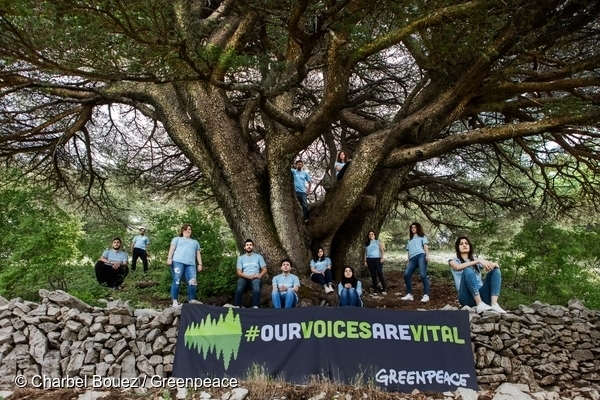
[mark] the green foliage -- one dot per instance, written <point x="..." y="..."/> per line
<point x="218" y="251"/>
<point x="551" y="264"/>
<point x="38" y="240"/>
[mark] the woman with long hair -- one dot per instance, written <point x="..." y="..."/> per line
<point x="472" y="289"/>
<point x="374" y="261"/>
<point x="418" y="256"/>
<point x="350" y="289"/>
<point x="320" y="268"/>
<point x="341" y="164"/>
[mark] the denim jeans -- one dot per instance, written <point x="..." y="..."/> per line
<point x="322" y="279"/>
<point x="376" y="270"/>
<point x="301" y="196"/>
<point x="178" y="271"/>
<point x="288" y="299"/>
<point x="242" y="284"/>
<point x="469" y="286"/>
<point x="349" y="297"/>
<point x="413" y="263"/>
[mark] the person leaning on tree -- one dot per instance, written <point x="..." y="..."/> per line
<point x="251" y="267"/>
<point x="285" y="287"/>
<point x="111" y="269"/>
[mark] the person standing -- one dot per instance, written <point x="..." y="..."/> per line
<point x="183" y="254"/>
<point x="374" y="261"/>
<point x="251" y="267"/>
<point x="139" y="249"/>
<point x="418" y="256"/>
<point x="285" y="287"/>
<point x="111" y="269"/>
<point x="350" y="289"/>
<point x="300" y="179"/>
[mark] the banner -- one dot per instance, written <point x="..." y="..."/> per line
<point x="397" y="350"/>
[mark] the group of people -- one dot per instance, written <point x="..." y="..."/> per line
<point x="185" y="261"/>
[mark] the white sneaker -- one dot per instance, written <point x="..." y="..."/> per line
<point x="328" y="289"/>
<point x="425" y="298"/>
<point x="496" y="308"/>
<point x="407" y="297"/>
<point x="194" y="301"/>
<point x="255" y="307"/>
<point x="481" y="307"/>
<point x="175" y="303"/>
<point x="384" y="293"/>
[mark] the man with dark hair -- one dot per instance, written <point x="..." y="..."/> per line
<point x="111" y="268"/>
<point x="300" y="179"/>
<point x="139" y="249"/>
<point x="251" y="267"/>
<point x="285" y="287"/>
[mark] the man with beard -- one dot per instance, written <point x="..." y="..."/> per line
<point x="251" y="267"/>
<point x="111" y="268"/>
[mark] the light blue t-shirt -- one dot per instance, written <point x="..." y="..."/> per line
<point x="251" y="264"/>
<point x="320" y="266"/>
<point x="141" y="242"/>
<point x="290" y="281"/>
<point x="358" y="288"/>
<point x="185" y="250"/>
<point x="415" y="245"/>
<point x="338" y="164"/>
<point x="300" y="177"/>
<point x="115" y="256"/>
<point x="457" y="275"/>
<point x="373" y="250"/>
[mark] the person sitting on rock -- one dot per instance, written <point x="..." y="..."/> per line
<point x="111" y="269"/>
<point x="472" y="290"/>
<point x="350" y="289"/>
<point x="285" y="287"/>
<point x="320" y="268"/>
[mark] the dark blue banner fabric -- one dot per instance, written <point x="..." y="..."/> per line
<point x="398" y="350"/>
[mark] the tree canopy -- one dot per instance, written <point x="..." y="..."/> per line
<point x="443" y="104"/>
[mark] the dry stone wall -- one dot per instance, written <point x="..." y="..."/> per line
<point x="549" y="348"/>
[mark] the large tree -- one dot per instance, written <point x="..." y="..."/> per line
<point x="440" y="103"/>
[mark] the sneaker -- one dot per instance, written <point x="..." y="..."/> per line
<point x="496" y="308"/>
<point x="425" y="298"/>
<point x="384" y="293"/>
<point x="175" y="303"/>
<point x="407" y="297"/>
<point x="194" y="301"/>
<point x="254" y="306"/>
<point x="481" y="307"/>
<point x="328" y="289"/>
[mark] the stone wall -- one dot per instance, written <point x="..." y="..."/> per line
<point x="546" y="347"/>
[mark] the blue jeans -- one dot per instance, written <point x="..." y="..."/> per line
<point x="413" y="263"/>
<point x="301" y="196"/>
<point x="349" y="297"/>
<point x="289" y="299"/>
<point x="242" y="284"/>
<point x="322" y="279"/>
<point x="178" y="271"/>
<point x="469" y="286"/>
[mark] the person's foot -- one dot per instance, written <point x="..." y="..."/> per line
<point x="425" y="298"/>
<point x="496" y="308"/>
<point x="328" y="289"/>
<point x="383" y="292"/>
<point x="254" y="306"/>
<point x="175" y="303"/>
<point x="408" y="297"/>
<point x="194" y="301"/>
<point x="481" y="307"/>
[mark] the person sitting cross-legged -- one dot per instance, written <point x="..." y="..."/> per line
<point x="285" y="287"/>
<point x="350" y="289"/>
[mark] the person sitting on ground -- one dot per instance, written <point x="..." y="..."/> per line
<point x="472" y="290"/>
<point x="111" y="269"/>
<point x="350" y="289"/>
<point x="320" y="268"/>
<point x="285" y="287"/>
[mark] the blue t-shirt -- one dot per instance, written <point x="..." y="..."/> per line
<point x="115" y="256"/>
<point x="300" y="177"/>
<point x="141" y="242"/>
<point x="290" y="281"/>
<point x="415" y="245"/>
<point x="358" y="288"/>
<point x="185" y="250"/>
<point x="251" y="264"/>
<point x="338" y="164"/>
<point x="320" y="266"/>
<point x="373" y="250"/>
<point x="457" y="275"/>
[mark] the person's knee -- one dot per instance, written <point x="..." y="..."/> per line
<point x="192" y="282"/>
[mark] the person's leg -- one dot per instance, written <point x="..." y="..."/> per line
<point x="134" y="258"/>
<point x="373" y="272"/>
<point x="468" y="293"/>
<point x="99" y="269"/>
<point x="121" y="275"/>
<point x="256" y="286"/>
<point x="177" y="270"/>
<point x="192" y="283"/>
<point x="290" y="299"/>
<point x="352" y="297"/>
<point x="379" y="270"/>
<point x="239" y="291"/>
<point x="318" y="278"/>
<point x="422" y="261"/>
<point x="304" y="203"/>
<point x="144" y="257"/>
<point x="410" y="269"/>
<point x="328" y="277"/>
<point x="276" y="298"/>
<point x="491" y="286"/>
<point x="344" y="298"/>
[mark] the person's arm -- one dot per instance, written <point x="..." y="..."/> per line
<point x="460" y="266"/>
<point x="263" y="271"/>
<point x="309" y="183"/>
<point x="340" y="287"/>
<point x="275" y="285"/>
<point x="328" y="263"/>
<point x="125" y="260"/>
<point x="359" y="288"/>
<point x="132" y="243"/>
<point x="170" y="256"/>
<point x="381" y="252"/>
<point x="199" y="258"/>
<point x="426" y="248"/>
<point x="312" y="267"/>
<point x="296" y="284"/>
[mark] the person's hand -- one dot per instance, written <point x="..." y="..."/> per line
<point x="116" y="265"/>
<point x="366" y="265"/>
<point x="427" y="258"/>
<point x="382" y="260"/>
<point x="169" y="261"/>
<point x="348" y="285"/>
<point x="199" y="267"/>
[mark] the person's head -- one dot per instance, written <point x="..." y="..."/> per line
<point x="348" y="272"/>
<point x="319" y="254"/>
<point x="186" y="230"/>
<point x="463" y="246"/>
<point x="415" y="229"/>
<point x="248" y="246"/>
<point x="341" y="157"/>
<point x="142" y="230"/>
<point x="299" y="165"/>
<point x="116" y="243"/>
<point x="370" y="236"/>
<point x="286" y="265"/>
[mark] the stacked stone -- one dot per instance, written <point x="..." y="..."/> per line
<point x="65" y="337"/>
